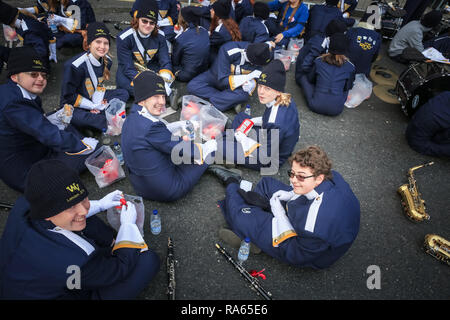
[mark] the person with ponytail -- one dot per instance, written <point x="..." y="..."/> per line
<point x="83" y="80"/>
<point x="191" y="46"/>
<point x="326" y="86"/>
<point x="275" y="133"/>
<point x="223" y="28"/>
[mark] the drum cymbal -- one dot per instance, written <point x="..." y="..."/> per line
<point x="386" y="93"/>
<point x="382" y="75"/>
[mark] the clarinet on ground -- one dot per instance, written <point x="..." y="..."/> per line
<point x="254" y="283"/>
<point x="170" y="271"/>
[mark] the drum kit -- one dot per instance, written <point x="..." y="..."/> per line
<point x="420" y="81"/>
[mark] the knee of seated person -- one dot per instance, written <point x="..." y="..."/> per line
<point x="151" y="260"/>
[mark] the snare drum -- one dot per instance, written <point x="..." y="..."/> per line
<point x="420" y="82"/>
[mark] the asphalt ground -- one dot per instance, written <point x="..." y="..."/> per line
<point x="367" y="146"/>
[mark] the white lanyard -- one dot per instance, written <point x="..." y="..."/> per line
<point x="140" y="47"/>
<point x="79" y="241"/>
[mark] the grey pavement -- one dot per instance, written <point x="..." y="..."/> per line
<point x="367" y="146"/>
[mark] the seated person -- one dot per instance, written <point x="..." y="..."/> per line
<point x="62" y="14"/>
<point x="428" y="132"/>
<point x="221" y="84"/>
<point x="414" y="10"/>
<point x="365" y="43"/>
<point x="27" y="136"/>
<point x="310" y="223"/>
<point x="347" y="7"/>
<point x="223" y="28"/>
<point x="290" y="22"/>
<point x="141" y="47"/>
<point x="320" y="16"/>
<point x="411" y="36"/>
<point x="277" y="131"/>
<point x="54" y="229"/>
<point x="84" y="74"/>
<point x="252" y="27"/>
<point x="241" y="9"/>
<point x="160" y="164"/>
<point x="191" y="46"/>
<point x="316" y="46"/>
<point x="326" y="86"/>
<point x="441" y="43"/>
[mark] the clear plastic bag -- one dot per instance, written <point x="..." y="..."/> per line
<point x="294" y="46"/>
<point x="105" y="166"/>
<point x="115" y="116"/>
<point x="209" y="121"/>
<point x="362" y="89"/>
<point x="284" y="56"/>
<point x="113" y="214"/>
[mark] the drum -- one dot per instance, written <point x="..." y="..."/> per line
<point x="420" y="82"/>
<point x="391" y="20"/>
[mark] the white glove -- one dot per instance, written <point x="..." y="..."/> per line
<point x="67" y="23"/>
<point x="249" y="86"/>
<point x="208" y="147"/>
<point x="91" y="143"/>
<point x="52" y="49"/>
<point x="167" y="76"/>
<point x="58" y="119"/>
<point x="128" y="214"/>
<point x="165" y="22"/>
<point x="176" y="126"/>
<point x="168" y="88"/>
<point x="257" y="121"/>
<point x="248" y="144"/>
<point x="276" y="208"/>
<point x="345" y="15"/>
<point x="110" y="200"/>
<point x="283" y="195"/>
<point x="98" y="96"/>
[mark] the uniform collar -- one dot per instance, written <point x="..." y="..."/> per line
<point x="143" y="35"/>
<point x="26" y="94"/>
<point x="270" y="104"/>
<point x="93" y="60"/>
<point x="144" y="112"/>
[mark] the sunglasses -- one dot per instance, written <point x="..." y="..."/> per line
<point x="35" y="74"/>
<point x="145" y="21"/>
<point x="292" y="174"/>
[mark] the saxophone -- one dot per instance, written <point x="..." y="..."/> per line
<point x="413" y="205"/>
<point x="438" y="247"/>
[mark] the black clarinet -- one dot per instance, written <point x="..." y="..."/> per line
<point x="170" y="271"/>
<point x="254" y="283"/>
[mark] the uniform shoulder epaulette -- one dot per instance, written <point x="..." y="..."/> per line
<point x="80" y="60"/>
<point x="126" y="33"/>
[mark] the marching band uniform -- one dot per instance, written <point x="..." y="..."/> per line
<point x="319" y="18"/>
<point x="253" y="28"/>
<point x="82" y="85"/>
<point x="290" y="21"/>
<point x="326" y="86"/>
<point x="322" y="223"/>
<point x="428" y="132"/>
<point x="149" y="52"/>
<point x="191" y="47"/>
<point x="148" y="145"/>
<point x="26" y="134"/>
<point x="220" y="35"/>
<point x="347" y="7"/>
<point x="282" y="118"/>
<point x="69" y="38"/>
<point x="240" y="9"/>
<point x="314" y="47"/>
<point x="365" y="43"/>
<point x="218" y="84"/>
<point x="37" y="255"/>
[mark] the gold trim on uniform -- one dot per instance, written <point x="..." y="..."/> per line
<point x="89" y="87"/>
<point x="282" y="237"/>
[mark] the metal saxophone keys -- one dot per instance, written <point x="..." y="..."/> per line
<point x="438" y="247"/>
<point x="413" y="205"/>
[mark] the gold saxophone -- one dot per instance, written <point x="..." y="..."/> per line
<point x="438" y="247"/>
<point x="413" y="205"/>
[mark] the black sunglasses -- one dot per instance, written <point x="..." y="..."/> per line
<point x="292" y="174"/>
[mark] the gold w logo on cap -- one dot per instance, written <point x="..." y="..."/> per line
<point x="73" y="187"/>
<point x="263" y="76"/>
<point x="160" y="85"/>
<point x="39" y="62"/>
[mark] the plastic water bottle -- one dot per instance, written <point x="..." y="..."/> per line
<point x="106" y="139"/>
<point x="248" y="110"/>
<point x="155" y="223"/>
<point x="53" y="26"/>
<point x="244" y="250"/>
<point x="190" y="129"/>
<point x="118" y="152"/>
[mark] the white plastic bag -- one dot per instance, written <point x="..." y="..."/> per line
<point x="113" y="214"/>
<point x="210" y="121"/>
<point x="105" y="167"/>
<point x="362" y="89"/>
<point x="294" y="46"/>
<point x="115" y="116"/>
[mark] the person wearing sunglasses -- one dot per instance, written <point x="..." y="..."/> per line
<point x="26" y="134"/>
<point x="311" y="222"/>
<point x="142" y="47"/>
<point x="83" y="81"/>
